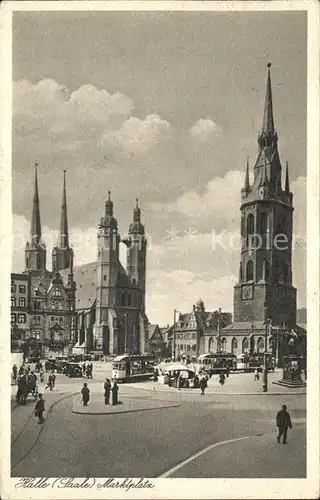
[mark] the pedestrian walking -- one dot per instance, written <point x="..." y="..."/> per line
<point x="84" y="369"/>
<point x="107" y="390"/>
<point x="50" y="382"/>
<point x="115" y="390"/>
<point x="203" y="385"/>
<point x="90" y="370"/>
<point x="283" y="423"/>
<point x="41" y="375"/>
<point x="53" y="379"/>
<point x="39" y="409"/>
<point x="85" y="391"/>
<point x="227" y="371"/>
<point x="221" y="378"/>
<point x="256" y="374"/>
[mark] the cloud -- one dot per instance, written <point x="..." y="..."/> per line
<point x="138" y="136"/>
<point x="205" y="129"/>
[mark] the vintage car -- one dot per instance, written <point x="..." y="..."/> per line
<point x="73" y="370"/>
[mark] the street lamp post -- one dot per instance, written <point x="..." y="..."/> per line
<point x="174" y="334"/>
<point x="218" y="328"/>
<point x="265" y="365"/>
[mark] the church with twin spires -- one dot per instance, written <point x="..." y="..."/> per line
<point x="110" y="300"/>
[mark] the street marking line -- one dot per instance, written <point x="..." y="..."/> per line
<point x="202" y="452"/>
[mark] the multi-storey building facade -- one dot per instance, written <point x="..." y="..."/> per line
<point x="20" y="285"/>
<point x="264" y="292"/>
<point x="197" y="332"/>
<point x="49" y="302"/>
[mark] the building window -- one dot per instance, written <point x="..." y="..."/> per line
<point x="37" y="320"/>
<point x="234" y="346"/>
<point x="211" y="343"/>
<point x="13" y="288"/>
<point x="21" y="318"/>
<point x="123" y="299"/>
<point x="61" y="321"/>
<point x="223" y="344"/>
<point x="22" y="302"/>
<point x="250" y="224"/>
<point x="22" y="288"/>
<point x="129" y="299"/>
<point x="249" y="274"/>
<point x="56" y="292"/>
<point x="260" y="345"/>
<point x="245" y="345"/>
<point x="105" y="277"/>
<point x="13" y="318"/>
<point x="13" y="302"/>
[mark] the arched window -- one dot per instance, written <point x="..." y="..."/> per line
<point x="260" y="345"/>
<point x="250" y="224"/>
<point x="224" y="344"/>
<point x="263" y="223"/>
<point x="234" y="346"/>
<point x="249" y="273"/>
<point x="211" y="342"/>
<point x="240" y="272"/>
<point x="245" y="345"/>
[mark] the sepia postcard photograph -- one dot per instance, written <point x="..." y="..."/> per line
<point x="159" y="250"/>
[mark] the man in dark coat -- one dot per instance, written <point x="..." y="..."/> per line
<point x="107" y="390"/>
<point x="85" y="391"/>
<point x="39" y="409"/>
<point x="115" y="390"/>
<point x="283" y="422"/>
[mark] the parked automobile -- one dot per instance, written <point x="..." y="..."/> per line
<point x="73" y="370"/>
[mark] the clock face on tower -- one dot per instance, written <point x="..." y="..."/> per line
<point x="247" y="292"/>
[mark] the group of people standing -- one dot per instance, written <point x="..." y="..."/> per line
<point x="87" y="370"/>
<point x="108" y="388"/>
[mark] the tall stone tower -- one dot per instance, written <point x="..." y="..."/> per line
<point x="62" y="254"/>
<point x="136" y="255"/>
<point x="107" y="277"/>
<point x="265" y="274"/>
<point x="35" y="251"/>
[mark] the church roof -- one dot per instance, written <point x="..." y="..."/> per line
<point x="86" y="284"/>
<point x="243" y="326"/>
<point x="85" y="277"/>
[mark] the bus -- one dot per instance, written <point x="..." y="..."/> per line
<point x="217" y="362"/>
<point x="132" y="367"/>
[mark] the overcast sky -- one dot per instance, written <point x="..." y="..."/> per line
<point x="166" y="107"/>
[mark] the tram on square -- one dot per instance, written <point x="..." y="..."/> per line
<point x="217" y="362"/>
<point x="133" y="367"/>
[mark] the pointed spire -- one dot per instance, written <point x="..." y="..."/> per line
<point x="109" y="205"/>
<point x="246" y="182"/>
<point x="137" y="212"/>
<point x="268" y="121"/>
<point x="35" y="229"/>
<point x="287" y="188"/>
<point x="64" y="232"/>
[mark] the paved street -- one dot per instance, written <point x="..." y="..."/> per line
<point x="153" y="443"/>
